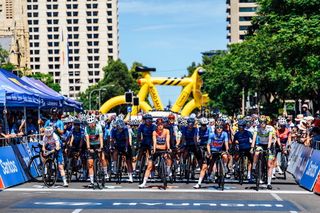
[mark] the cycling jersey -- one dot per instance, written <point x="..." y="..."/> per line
<point x="263" y="135"/>
<point x="161" y="137"/>
<point x="216" y="141"/>
<point x="94" y="134"/>
<point x="146" y="132"/>
<point x="243" y="138"/>
<point x="119" y="137"/>
<point x="172" y="130"/>
<point x="55" y="124"/>
<point x="189" y="134"/>
<point x="203" y="135"/>
<point x="77" y="137"/>
<point x="283" y="135"/>
<point x="52" y="142"/>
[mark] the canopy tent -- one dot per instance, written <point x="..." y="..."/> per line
<point x="12" y="94"/>
<point x="67" y="102"/>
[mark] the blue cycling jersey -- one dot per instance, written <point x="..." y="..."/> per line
<point x="244" y="139"/>
<point x="216" y="141"/>
<point x="189" y="134"/>
<point x="203" y="136"/>
<point x="146" y="132"/>
<point x="119" y="137"/>
<point x="77" y="136"/>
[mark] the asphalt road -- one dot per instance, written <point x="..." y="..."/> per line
<point x="285" y="196"/>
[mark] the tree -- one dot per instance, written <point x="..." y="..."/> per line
<point x="4" y="54"/>
<point x="117" y="80"/>
<point x="280" y="57"/>
<point x="47" y="79"/>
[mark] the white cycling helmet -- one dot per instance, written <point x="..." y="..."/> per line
<point x="204" y="121"/>
<point x="48" y="131"/>
<point x="91" y="119"/>
<point x="282" y="121"/>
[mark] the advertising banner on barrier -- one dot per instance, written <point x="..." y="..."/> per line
<point x="311" y="172"/>
<point x="316" y="188"/>
<point x="34" y="152"/>
<point x="10" y="168"/>
<point x="294" y="157"/>
<point x="26" y="158"/>
<point x="302" y="163"/>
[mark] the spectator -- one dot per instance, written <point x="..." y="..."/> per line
<point x="305" y="110"/>
<point x="315" y="132"/>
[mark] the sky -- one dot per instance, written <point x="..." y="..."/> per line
<point x="169" y="35"/>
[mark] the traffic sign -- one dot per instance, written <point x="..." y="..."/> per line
<point x="129" y="109"/>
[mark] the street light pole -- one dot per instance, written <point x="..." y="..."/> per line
<point x="90" y="97"/>
<point x="103" y="88"/>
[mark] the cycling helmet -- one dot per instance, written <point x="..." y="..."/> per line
<point x="76" y="121"/>
<point x="191" y="120"/>
<point x="248" y="119"/>
<point x="282" y="121"/>
<point x="241" y="123"/>
<point x="159" y="121"/>
<point x="48" y="131"/>
<point x="147" y="116"/>
<point x="120" y="123"/>
<point x="262" y="119"/>
<point x="171" y="116"/>
<point x="204" y="121"/>
<point x="54" y="110"/>
<point x="91" y="119"/>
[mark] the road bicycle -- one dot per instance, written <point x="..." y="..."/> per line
<point x="50" y="168"/>
<point x="35" y="164"/>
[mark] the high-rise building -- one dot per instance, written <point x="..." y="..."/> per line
<point x="73" y="40"/>
<point x="239" y="16"/>
<point x="14" y="35"/>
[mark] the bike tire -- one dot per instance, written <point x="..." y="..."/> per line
<point x="241" y="170"/>
<point x="258" y="173"/>
<point x="163" y="173"/>
<point x="284" y="165"/>
<point x="221" y="174"/>
<point x="188" y="168"/>
<point x="119" y="169"/>
<point x="35" y="161"/>
<point x="142" y="168"/>
<point x="100" y="176"/>
<point x="50" y="176"/>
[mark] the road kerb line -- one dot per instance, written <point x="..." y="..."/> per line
<point x="277" y="197"/>
<point x="154" y="190"/>
<point x="77" y="210"/>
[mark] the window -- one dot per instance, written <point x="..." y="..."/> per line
<point x="90" y="73"/>
<point x="56" y="51"/>
<point x="245" y="18"/>
<point x="247" y="9"/>
<point x="37" y="66"/>
<point x="109" y="13"/>
<point x="110" y="28"/>
<point x="36" y="52"/>
<point x="243" y="27"/>
<point x="109" y="6"/>
<point x="77" y="66"/>
<point x="76" y="51"/>
<point x="97" y="73"/>
<point x="109" y="35"/>
<point x="36" y="37"/>
<point x="109" y="20"/>
<point x="96" y="65"/>
<point x="110" y="43"/>
<point x="110" y="50"/>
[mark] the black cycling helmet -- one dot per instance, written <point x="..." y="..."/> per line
<point x="147" y="116"/>
<point x="191" y="120"/>
<point x="54" y="110"/>
<point x="242" y="123"/>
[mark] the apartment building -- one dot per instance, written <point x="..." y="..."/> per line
<point x="72" y="40"/>
<point x="239" y="16"/>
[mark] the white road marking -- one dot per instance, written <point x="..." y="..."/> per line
<point x="293" y="212"/>
<point x="77" y="210"/>
<point x="156" y="190"/>
<point x="277" y="197"/>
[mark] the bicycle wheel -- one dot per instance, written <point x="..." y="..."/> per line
<point x="220" y="173"/>
<point x="284" y="164"/>
<point x="68" y="170"/>
<point x="258" y="173"/>
<point x="119" y="168"/>
<point x="241" y="170"/>
<point x="35" y="168"/>
<point x="99" y="173"/>
<point x="188" y="168"/>
<point x="50" y="173"/>
<point x="163" y="172"/>
<point x="142" y="168"/>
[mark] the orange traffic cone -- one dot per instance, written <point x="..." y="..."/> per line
<point x="1" y="183"/>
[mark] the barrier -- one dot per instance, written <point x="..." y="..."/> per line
<point x="311" y="172"/>
<point x="302" y="162"/>
<point x="1" y="183"/>
<point x="316" y="188"/>
<point x="10" y="168"/>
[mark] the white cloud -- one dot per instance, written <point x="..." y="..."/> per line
<point x="194" y="8"/>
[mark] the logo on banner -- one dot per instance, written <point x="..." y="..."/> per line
<point x="8" y="167"/>
<point x="311" y="172"/>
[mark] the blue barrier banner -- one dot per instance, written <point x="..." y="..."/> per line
<point x="34" y="169"/>
<point x="26" y="158"/>
<point x="311" y="172"/>
<point x="302" y="163"/>
<point x="10" y="168"/>
<point x="294" y="157"/>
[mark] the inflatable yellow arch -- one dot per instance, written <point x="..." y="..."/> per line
<point x="147" y="84"/>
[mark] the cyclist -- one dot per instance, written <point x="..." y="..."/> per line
<point x="144" y="136"/>
<point x="189" y="140"/>
<point x="161" y="142"/>
<point x="262" y="139"/>
<point x="203" y="136"/>
<point x="242" y="140"/>
<point x="119" y="139"/>
<point x="94" y="140"/>
<point x="283" y="140"/>
<point x="217" y="140"/>
<point x="51" y="143"/>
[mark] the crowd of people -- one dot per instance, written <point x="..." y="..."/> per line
<point x="206" y="138"/>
